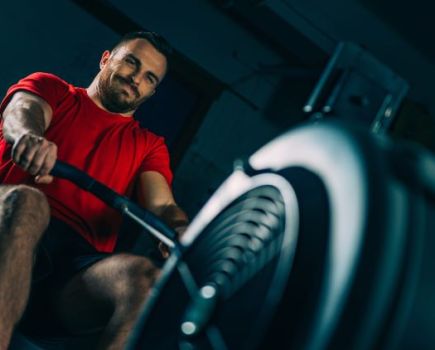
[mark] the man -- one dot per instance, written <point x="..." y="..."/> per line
<point x="44" y="118"/>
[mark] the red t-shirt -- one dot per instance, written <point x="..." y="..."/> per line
<point x="113" y="149"/>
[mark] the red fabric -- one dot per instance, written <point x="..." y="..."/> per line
<point x="109" y="147"/>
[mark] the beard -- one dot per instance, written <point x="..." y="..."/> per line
<point x="114" y="98"/>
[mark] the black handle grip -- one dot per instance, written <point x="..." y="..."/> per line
<point x="110" y="197"/>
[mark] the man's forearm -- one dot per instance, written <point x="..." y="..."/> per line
<point x="22" y="117"/>
<point x="25" y="120"/>
<point x="174" y="217"/>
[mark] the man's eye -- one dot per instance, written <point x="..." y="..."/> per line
<point x="129" y="61"/>
<point x="150" y="79"/>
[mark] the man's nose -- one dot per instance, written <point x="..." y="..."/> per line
<point x="135" y="78"/>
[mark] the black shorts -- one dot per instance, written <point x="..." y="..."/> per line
<point x="62" y="253"/>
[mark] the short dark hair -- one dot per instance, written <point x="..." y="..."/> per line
<point x="155" y="39"/>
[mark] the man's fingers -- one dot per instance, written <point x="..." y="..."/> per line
<point x="25" y="148"/>
<point x="22" y="154"/>
<point x="38" y="160"/>
<point x="180" y="230"/>
<point x="25" y="160"/>
<point x="164" y="250"/>
<point x="49" y="160"/>
<point x="17" y="152"/>
<point x="34" y="154"/>
<point x="43" y="179"/>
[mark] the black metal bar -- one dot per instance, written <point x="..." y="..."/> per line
<point x="116" y="201"/>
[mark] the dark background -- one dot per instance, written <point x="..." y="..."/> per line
<point x="242" y="72"/>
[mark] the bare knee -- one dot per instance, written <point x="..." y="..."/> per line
<point x="133" y="277"/>
<point x="24" y="210"/>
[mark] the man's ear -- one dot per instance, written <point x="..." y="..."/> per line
<point x="104" y="58"/>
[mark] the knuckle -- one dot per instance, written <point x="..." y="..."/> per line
<point x="24" y="159"/>
<point x="52" y="146"/>
<point x="45" y="169"/>
<point x="34" y="167"/>
<point x="17" y="148"/>
<point x="33" y="170"/>
<point x="23" y="138"/>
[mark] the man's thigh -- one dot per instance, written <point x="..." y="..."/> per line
<point x="89" y="299"/>
<point x="61" y="254"/>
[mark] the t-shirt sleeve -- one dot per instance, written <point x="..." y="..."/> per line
<point x="157" y="158"/>
<point x="45" y="85"/>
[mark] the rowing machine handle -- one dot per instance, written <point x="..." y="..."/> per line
<point x="110" y="197"/>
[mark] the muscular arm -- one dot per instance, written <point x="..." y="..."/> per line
<point x="25" y="113"/>
<point x="25" y="119"/>
<point x="155" y="195"/>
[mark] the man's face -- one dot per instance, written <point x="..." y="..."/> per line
<point x="129" y="75"/>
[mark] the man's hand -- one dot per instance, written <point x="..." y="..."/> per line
<point x="164" y="250"/>
<point x="35" y="155"/>
<point x="25" y="119"/>
<point x="155" y="195"/>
